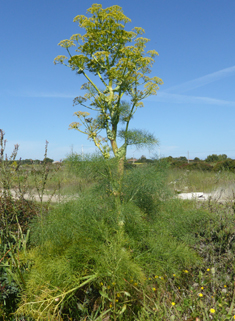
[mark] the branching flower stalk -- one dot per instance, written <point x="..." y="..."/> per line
<point x="41" y="177"/>
<point x="8" y="170"/>
<point x="117" y="58"/>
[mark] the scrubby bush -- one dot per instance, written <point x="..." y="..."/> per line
<point x="200" y="166"/>
<point x="192" y="166"/>
<point x="9" y="292"/>
<point x="228" y="165"/>
<point x="15" y="213"/>
<point x="215" y="158"/>
<point x="146" y="186"/>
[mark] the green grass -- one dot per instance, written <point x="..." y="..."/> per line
<point x="199" y="181"/>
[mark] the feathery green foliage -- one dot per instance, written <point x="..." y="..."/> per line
<point x="84" y="253"/>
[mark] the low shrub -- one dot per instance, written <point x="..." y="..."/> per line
<point x="227" y="165"/>
<point x="15" y="213"/>
<point x="146" y="186"/>
<point x="202" y="166"/>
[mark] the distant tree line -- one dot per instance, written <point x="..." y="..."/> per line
<point x="36" y="161"/>
<point x="29" y="161"/>
<point x="212" y="162"/>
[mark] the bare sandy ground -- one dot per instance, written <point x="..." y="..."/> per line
<point x="221" y="194"/>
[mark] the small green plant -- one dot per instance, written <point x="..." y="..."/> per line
<point x="16" y="212"/>
<point x="42" y="174"/>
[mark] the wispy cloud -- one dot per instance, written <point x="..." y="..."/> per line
<point x="170" y="95"/>
<point x="162" y="96"/>
<point x="199" y="82"/>
<point x="185" y="99"/>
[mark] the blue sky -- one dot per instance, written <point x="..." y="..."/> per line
<point x="194" y="111"/>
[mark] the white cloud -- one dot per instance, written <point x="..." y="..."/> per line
<point x="199" y="82"/>
<point x="185" y="99"/>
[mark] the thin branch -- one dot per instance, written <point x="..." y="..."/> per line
<point x="91" y="82"/>
<point x="88" y="107"/>
<point x="127" y="123"/>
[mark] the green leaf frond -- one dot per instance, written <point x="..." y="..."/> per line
<point x="66" y="43"/>
<point x="138" y="30"/>
<point x="76" y="37"/>
<point x="77" y="62"/>
<point x="139" y="104"/>
<point x="74" y="125"/>
<point x="113" y="12"/>
<point x="125" y="111"/>
<point x="60" y="59"/>
<point x="150" y="89"/>
<point x="153" y="53"/>
<point x="95" y="8"/>
<point x="81" y="19"/>
<point x="85" y="86"/>
<point x="100" y="121"/>
<point x="139" y="138"/>
<point x="101" y="55"/>
<point x="157" y="80"/>
<point x="142" y="40"/>
<point x="79" y="100"/>
<point x="80" y="114"/>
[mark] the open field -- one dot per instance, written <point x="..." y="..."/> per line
<point x="202" y="181"/>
